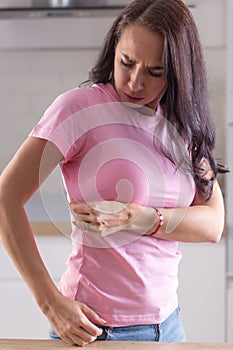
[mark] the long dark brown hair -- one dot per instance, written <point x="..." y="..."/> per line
<point x="185" y="102"/>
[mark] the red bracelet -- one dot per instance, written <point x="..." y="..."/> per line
<point x="160" y="216"/>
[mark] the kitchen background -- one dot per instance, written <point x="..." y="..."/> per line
<point x="42" y="57"/>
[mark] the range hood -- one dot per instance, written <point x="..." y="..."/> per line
<point x="64" y="8"/>
<point x="59" y="8"/>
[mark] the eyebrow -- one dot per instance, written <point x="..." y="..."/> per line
<point x="131" y="61"/>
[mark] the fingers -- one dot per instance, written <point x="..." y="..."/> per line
<point x="83" y="213"/>
<point x="77" y="326"/>
<point x="92" y="317"/>
<point x="105" y="218"/>
<point x="80" y="338"/>
<point x="79" y="207"/>
<point x="96" y="218"/>
<point x="86" y="332"/>
<point x="80" y="210"/>
<point x="85" y="225"/>
<point x="80" y="332"/>
<point x="121" y="216"/>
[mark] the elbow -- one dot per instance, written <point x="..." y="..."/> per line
<point x="216" y="234"/>
<point x="215" y="238"/>
<point x="216" y="226"/>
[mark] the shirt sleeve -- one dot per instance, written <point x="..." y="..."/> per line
<point x="61" y="122"/>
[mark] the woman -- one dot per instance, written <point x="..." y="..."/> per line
<point x="136" y="153"/>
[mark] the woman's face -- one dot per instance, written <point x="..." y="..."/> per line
<point x="138" y="71"/>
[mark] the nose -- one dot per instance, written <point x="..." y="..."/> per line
<point x="136" y="81"/>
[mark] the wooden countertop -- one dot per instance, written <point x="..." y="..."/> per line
<point x="19" y="344"/>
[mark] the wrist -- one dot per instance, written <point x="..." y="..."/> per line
<point x="46" y="299"/>
<point x="144" y="220"/>
<point x="158" y="222"/>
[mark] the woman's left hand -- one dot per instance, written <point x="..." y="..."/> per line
<point x="106" y="217"/>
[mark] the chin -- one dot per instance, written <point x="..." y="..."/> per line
<point x="152" y="105"/>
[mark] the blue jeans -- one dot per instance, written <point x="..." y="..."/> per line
<point x="171" y="330"/>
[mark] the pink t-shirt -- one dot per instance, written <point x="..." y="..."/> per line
<point x="112" y="151"/>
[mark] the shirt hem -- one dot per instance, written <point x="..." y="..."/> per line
<point x="127" y="320"/>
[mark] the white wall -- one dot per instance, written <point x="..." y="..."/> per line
<point x="20" y="316"/>
<point x="202" y="292"/>
<point x="30" y="80"/>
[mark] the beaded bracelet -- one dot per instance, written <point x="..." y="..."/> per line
<point x="160" y="216"/>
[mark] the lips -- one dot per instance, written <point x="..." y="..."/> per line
<point x="133" y="99"/>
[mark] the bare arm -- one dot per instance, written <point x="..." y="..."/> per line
<point x="22" y="177"/>
<point x="201" y="222"/>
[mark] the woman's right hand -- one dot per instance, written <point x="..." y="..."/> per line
<point x="32" y="164"/>
<point x="73" y="321"/>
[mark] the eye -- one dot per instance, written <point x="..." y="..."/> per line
<point x="156" y="75"/>
<point x="128" y="65"/>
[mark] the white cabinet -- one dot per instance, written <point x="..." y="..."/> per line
<point x="202" y="291"/>
<point x="53" y="33"/>
<point x="20" y="316"/>
<point x="229" y="310"/>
